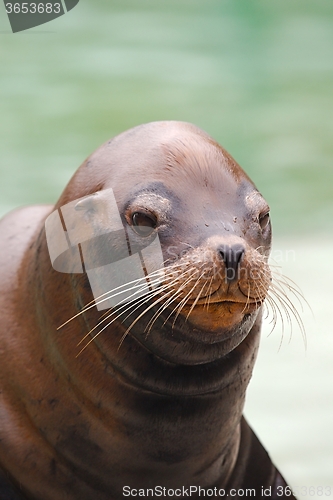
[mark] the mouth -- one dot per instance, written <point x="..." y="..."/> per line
<point x="227" y="299"/>
<point x="217" y="316"/>
<point x="233" y="293"/>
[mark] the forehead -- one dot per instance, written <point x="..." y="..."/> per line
<point x="184" y="166"/>
<point x="200" y="160"/>
<point x="200" y="171"/>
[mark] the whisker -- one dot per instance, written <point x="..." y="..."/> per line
<point x="281" y="304"/>
<point x="107" y="295"/>
<point x="292" y="287"/>
<point x="113" y="320"/>
<point x="171" y="299"/>
<point x="153" y="293"/>
<point x="208" y="297"/>
<point x="182" y="303"/>
<point x="126" y="306"/>
<point x="177" y="306"/>
<point x="195" y="302"/>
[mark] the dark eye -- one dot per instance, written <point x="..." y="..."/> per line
<point x="264" y="220"/>
<point x="143" y="224"/>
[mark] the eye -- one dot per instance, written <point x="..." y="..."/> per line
<point x="143" y="224"/>
<point x="264" y="220"/>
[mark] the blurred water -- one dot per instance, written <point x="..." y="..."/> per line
<point x="258" y="76"/>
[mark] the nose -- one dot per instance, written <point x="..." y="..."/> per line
<point x="231" y="256"/>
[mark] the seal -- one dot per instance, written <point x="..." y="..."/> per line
<point x="105" y="397"/>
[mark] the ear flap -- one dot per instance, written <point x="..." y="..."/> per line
<point x="88" y="204"/>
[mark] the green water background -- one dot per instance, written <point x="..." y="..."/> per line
<point x="255" y="74"/>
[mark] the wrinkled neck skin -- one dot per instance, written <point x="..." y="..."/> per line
<point x="122" y="414"/>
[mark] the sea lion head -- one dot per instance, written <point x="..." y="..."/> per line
<point x="178" y="191"/>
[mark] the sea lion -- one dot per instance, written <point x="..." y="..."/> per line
<point x="144" y="398"/>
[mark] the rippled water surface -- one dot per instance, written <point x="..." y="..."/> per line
<point x="258" y="76"/>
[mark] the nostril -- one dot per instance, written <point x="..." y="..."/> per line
<point x="231" y="256"/>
